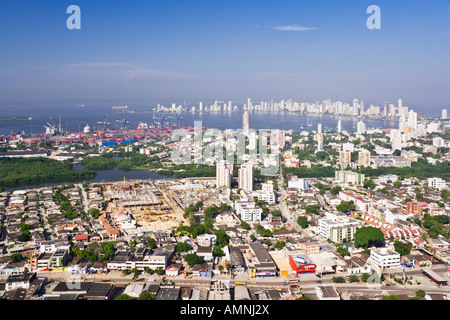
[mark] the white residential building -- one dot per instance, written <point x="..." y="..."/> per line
<point x="248" y="210"/>
<point x="438" y="142"/>
<point x="361" y="127"/>
<point x="246" y="177"/>
<point x="387" y="178"/>
<point x="298" y="183"/>
<point x="267" y="186"/>
<point x="384" y="258"/>
<point x="337" y="228"/>
<point x="224" y="174"/>
<point x="269" y="197"/>
<point x="396" y="139"/>
<point x="349" y="177"/>
<point x="437" y="183"/>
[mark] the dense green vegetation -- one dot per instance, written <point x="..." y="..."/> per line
<point x="195" y="227"/>
<point x="136" y="161"/>
<point x="193" y="259"/>
<point x="313" y="172"/>
<point x="66" y="208"/>
<point x="263" y="232"/>
<point x="303" y="222"/>
<point x="403" y="248"/>
<point x="346" y="206"/>
<point x="182" y="247"/>
<point x="192" y="170"/>
<point x="435" y="225"/>
<point x="98" y="163"/>
<point x="419" y="170"/>
<point x="31" y="171"/>
<point x="105" y="252"/>
<point x="368" y="236"/>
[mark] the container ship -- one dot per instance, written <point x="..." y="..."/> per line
<point x="120" y="107"/>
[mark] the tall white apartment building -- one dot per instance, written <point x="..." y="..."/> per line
<point x="348" y="146"/>
<point x="224" y="174"/>
<point x="412" y="119"/>
<point x="396" y="139"/>
<point x="438" y="142"/>
<point x="246" y="122"/>
<point x="246" y="177"/>
<point x="364" y="158"/>
<point x="444" y="113"/>
<point x="361" y="127"/>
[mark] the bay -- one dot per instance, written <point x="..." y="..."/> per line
<point x="74" y="118"/>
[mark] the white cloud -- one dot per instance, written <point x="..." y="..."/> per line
<point x="293" y="27"/>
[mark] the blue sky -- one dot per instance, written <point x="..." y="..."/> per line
<point x="198" y="50"/>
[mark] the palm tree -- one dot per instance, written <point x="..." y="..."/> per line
<point x="228" y="266"/>
<point x="220" y="268"/>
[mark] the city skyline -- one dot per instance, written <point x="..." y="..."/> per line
<point x="228" y="50"/>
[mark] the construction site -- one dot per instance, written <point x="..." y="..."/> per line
<point x="147" y="201"/>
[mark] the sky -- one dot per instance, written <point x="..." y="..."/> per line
<point x="150" y="51"/>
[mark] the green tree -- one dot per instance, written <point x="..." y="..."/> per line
<point x="159" y="271"/>
<point x="25" y="236"/>
<point x="346" y="206"/>
<point x="145" y="295"/>
<point x="335" y="190"/>
<point x="403" y="248"/>
<point x="397" y="184"/>
<point x="123" y="296"/>
<point x="390" y="297"/>
<point x="368" y="236"/>
<point x="312" y="208"/>
<point x="15" y="257"/>
<point x="217" y="251"/>
<point x="279" y="245"/>
<point x="222" y="238"/>
<point x="445" y="194"/>
<point x="245" y="225"/>
<point x="353" y="278"/>
<point x="95" y="213"/>
<point x="369" y="184"/>
<point x="193" y="259"/>
<point x="303" y="222"/>
<point x="342" y="251"/>
<point x="151" y="243"/>
<point x="182" y="247"/>
<point x="338" y="279"/>
<point x="420" y="293"/>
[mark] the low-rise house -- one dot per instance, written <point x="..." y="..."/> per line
<point x="356" y="265"/>
<point x="21" y="281"/>
<point x="173" y="270"/>
<point x="201" y="271"/>
<point x="327" y="292"/>
<point x="206" y="253"/>
<point x="134" y="289"/>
